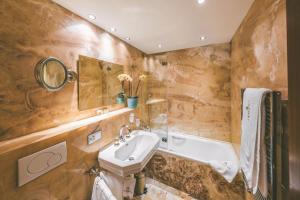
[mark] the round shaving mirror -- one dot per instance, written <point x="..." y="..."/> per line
<point x="52" y="74"/>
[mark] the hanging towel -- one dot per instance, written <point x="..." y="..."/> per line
<point x="253" y="152"/>
<point x="101" y="191"/>
<point x="227" y="169"/>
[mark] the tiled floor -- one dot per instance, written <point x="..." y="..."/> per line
<point x="159" y="191"/>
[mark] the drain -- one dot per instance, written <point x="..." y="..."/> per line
<point x="131" y="158"/>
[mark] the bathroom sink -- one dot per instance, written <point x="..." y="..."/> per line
<point x="130" y="156"/>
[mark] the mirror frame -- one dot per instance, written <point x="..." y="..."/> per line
<point x="70" y="76"/>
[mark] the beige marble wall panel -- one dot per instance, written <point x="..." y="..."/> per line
<point x="67" y="181"/>
<point x="259" y="55"/>
<point x="31" y="30"/>
<point x="196" y="83"/>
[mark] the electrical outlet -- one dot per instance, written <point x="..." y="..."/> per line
<point x="94" y="137"/>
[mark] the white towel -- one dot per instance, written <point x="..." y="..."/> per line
<point x="114" y="183"/>
<point x="253" y="153"/>
<point x="101" y="191"/>
<point x="225" y="168"/>
<point x="120" y="186"/>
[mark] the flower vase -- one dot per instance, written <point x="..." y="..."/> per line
<point x="120" y="99"/>
<point x="132" y="102"/>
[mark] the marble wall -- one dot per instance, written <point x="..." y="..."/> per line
<point x="196" y="84"/>
<point x="66" y="182"/>
<point x="198" y="180"/>
<point x="258" y="55"/>
<point x="31" y="30"/>
<point x="202" y="86"/>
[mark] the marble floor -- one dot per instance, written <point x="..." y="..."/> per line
<point x="160" y="191"/>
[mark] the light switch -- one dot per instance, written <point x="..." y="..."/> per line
<point x="94" y="137"/>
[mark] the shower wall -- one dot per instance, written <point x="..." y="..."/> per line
<point x="196" y="84"/>
<point x="258" y="55"/>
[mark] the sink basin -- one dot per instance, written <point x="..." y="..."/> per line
<point x="130" y="156"/>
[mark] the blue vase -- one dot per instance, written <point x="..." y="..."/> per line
<point x="132" y="102"/>
<point x="120" y="100"/>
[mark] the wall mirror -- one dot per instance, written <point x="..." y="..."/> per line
<point x="98" y="84"/>
<point x="52" y="74"/>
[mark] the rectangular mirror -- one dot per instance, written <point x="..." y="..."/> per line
<point x="98" y="83"/>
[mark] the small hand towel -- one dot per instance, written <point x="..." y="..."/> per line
<point x="225" y="168"/>
<point x="101" y="191"/>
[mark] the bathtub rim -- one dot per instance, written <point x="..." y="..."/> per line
<point x="195" y="137"/>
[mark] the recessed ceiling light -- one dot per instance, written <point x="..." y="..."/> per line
<point x="113" y="29"/>
<point x="160" y="46"/>
<point x="92" y="17"/>
<point x="128" y="38"/>
<point x="200" y="1"/>
<point x="202" y="38"/>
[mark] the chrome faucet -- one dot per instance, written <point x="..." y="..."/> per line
<point x="124" y="132"/>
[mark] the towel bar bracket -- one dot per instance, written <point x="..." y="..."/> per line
<point x="94" y="171"/>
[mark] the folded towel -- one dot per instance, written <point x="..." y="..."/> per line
<point x="225" y="168"/>
<point x="120" y="187"/>
<point x="253" y="153"/>
<point x="101" y="191"/>
<point x="114" y="183"/>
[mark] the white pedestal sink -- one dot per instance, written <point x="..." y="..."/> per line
<point x="130" y="156"/>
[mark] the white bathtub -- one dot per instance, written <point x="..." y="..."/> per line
<point x="202" y="150"/>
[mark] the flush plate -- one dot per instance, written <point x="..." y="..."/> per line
<point x="39" y="163"/>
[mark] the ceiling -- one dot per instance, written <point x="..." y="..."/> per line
<point x="163" y="25"/>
